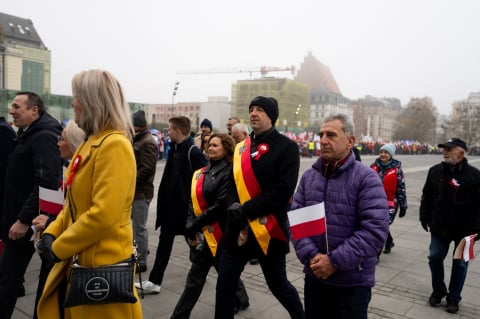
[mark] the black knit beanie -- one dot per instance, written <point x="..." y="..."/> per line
<point x="269" y="105"/>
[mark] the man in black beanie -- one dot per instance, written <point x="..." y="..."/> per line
<point x="146" y="151"/>
<point x="139" y="119"/>
<point x="265" y="169"/>
<point x="269" y="105"/>
<point x="206" y="128"/>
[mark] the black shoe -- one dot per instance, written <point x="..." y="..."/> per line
<point x="238" y="307"/>
<point x="388" y="248"/>
<point x="436" y="298"/>
<point x="452" y="306"/>
<point x="254" y="261"/>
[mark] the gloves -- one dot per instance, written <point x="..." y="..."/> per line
<point x="402" y="213"/>
<point x="425" y="225"/>
<point x="195" y="226"/>
<point x="44" y="248"/>
<point x="235" y="214"/>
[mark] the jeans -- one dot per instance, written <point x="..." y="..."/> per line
<point x="273" y="268"/>
<point x="438" y="252"/>
<point x="13" y="264"/>
<point x="140" y="231"/>
<point x="322" y="301"/>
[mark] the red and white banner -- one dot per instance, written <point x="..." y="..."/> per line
<point x="50" y="201"/>
<point x="307" y="221"/>
<point x="464" y="249"/>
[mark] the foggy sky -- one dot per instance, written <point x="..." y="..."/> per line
<point x="403" y="49"/>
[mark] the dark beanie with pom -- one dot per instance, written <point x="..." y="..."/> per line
<point x="268" y="104"/>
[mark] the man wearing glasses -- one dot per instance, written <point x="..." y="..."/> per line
<point x="450" y="211"/>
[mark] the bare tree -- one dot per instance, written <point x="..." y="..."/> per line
<point x="417" y="121"/>
<point x="465" y="122"/>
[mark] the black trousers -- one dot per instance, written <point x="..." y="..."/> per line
<point x="273" y="267"/>
<point x="322" y="301"/>
<point x="162" y="256"/>
<point x="13" y="264"/>
<point x="194" y="285"/>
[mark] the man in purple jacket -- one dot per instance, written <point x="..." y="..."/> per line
<point x="340" y="264"/>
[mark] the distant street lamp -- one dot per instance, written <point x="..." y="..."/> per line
<point x="175" y="88"/>
<point x="297" y="113"/>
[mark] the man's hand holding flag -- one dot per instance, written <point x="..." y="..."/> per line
<point x="464" y="250"/>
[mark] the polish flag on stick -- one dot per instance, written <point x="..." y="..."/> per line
<point x="50" y="201"/>
<point x="307" y="221"/>
<point x="464" y="249"/>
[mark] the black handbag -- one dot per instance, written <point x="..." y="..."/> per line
<point x="101" y="285"/>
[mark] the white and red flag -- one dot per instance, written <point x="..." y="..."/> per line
<point x="307" y="221"/>
<point x="464" y="249"/>
<point x="50" y="201"/>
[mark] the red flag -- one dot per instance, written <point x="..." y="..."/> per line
<point x="468" y="249"/>
<point x="464" y="250"/>
<point x="307" y="221"/>
<point x="50" y="201"/>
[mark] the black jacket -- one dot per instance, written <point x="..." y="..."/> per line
<point x="34" y="162"/>
<point x="174" y="190"/>
<point x="450" y="202"/>
<point x="276" y="172"/>
<point x="7" y="142"/>
<point x="219" y="192"/>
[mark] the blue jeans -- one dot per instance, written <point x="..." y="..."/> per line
<point x="438" y="252"/>
<point x="322" y="301"/>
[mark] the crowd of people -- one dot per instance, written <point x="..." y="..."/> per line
<point x="312" y="147"/>
<point x="230" y="195"/>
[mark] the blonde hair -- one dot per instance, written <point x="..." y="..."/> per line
<point x="103" y="101"/>
<point x="74" y="135"/>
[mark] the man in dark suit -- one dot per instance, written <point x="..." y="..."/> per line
<point x="265" y="170"/>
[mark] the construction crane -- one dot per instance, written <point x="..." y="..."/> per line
<point x="263" y="70"/>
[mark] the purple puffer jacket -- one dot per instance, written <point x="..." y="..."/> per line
<point x="357" y="221"/>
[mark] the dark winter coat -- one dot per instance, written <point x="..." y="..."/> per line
<point x="34" y="162"/>
<point x="450" y="202"/>
<point x="356" y="215"/>
<point x="276" y="172"/>
<point x="7" y="142"/>
<point x="174" y="191"/>
<point x="146" y="152"/>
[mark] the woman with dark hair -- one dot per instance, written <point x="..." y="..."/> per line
<point x="213" y="190"/>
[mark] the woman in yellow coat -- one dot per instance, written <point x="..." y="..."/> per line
<point x="100" y="190"/>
